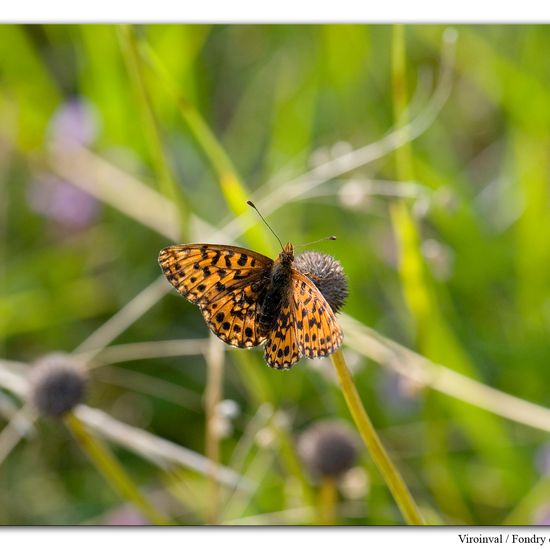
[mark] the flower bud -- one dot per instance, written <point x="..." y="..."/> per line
<point x="57" y="384"/>
<point x="328" y="449"/>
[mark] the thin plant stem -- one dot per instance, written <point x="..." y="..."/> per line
<point x="287" y="448"/>
<point x="290" y="516"/>
<point x="150" y="385"/>
<point x="535" y="501"/>
<point x="403" y="154"/>
<point x="157" y="450"/>
<point x="112" y="470"/>
<point x="257" y="470"/>
<point x="4" y="241"/>
<point x="213" y="395"/>
<point x="122" y="319"/>
<point x="112" y="185"/>
<point x="15" y="430"/>
<point x="260" y="390"/>
<point x="135" y="65"/>
<point x="231" y="184"/>
<point x="424" y="372"/>
<point x="273" y="197"/>
<point x="138" y="351"/>
<point x="389" y="472"/>
<point x="441" y="480"/>
<point x="245" y="446"/>
<point x="327" y="501"/>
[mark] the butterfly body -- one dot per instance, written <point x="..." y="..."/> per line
<point x="276" y="294"/>
<point x="248" y="299"/>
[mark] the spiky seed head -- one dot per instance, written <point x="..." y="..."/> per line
<point x="327" y="274"/>
<point x="57" y="384"/>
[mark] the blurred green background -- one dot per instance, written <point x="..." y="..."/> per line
<point x="117" y="141"/>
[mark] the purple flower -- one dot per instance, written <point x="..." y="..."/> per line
<point x="62" y="202"/>
<point x="75" y="122"/>
<point x="125" y="515"/>
<point x="542" y="516"/>
<point x="398" y="392"/>
<point x="542" y="459"/>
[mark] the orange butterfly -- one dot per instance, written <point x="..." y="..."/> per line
<point x="248" y="299"/>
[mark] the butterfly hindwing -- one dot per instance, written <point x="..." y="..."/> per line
<point x="306" y="326"/>
<point x="281" y="348"/>
<point x="233" y="317"/>
<point x="226" y="282"/>
<point x="316" y="328"/>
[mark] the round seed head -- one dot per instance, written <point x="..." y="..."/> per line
<point x="328" y="449"/>
<point x="57" y="384"/>
<point x="327" y="274"/>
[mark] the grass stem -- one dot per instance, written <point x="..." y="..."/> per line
<point x="167" y="183"/>
<point x="213" y="396"/>
<point x="112" y="470"/>
<point x="232" y="186"/>
<point x="327" y="501"/>
<point x="389" y="472"/>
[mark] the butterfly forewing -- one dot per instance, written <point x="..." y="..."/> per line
<point x="203" y="272"/>
<point x="226" y="282"/>
<point x="316" y="328"/>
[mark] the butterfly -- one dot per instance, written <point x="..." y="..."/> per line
<point x="249" y="300"/>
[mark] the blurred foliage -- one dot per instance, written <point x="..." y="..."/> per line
<point x="208" y="116"/>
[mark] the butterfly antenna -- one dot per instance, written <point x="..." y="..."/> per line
<point x="329" y="238"/>
<point x="250" y="203"/>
